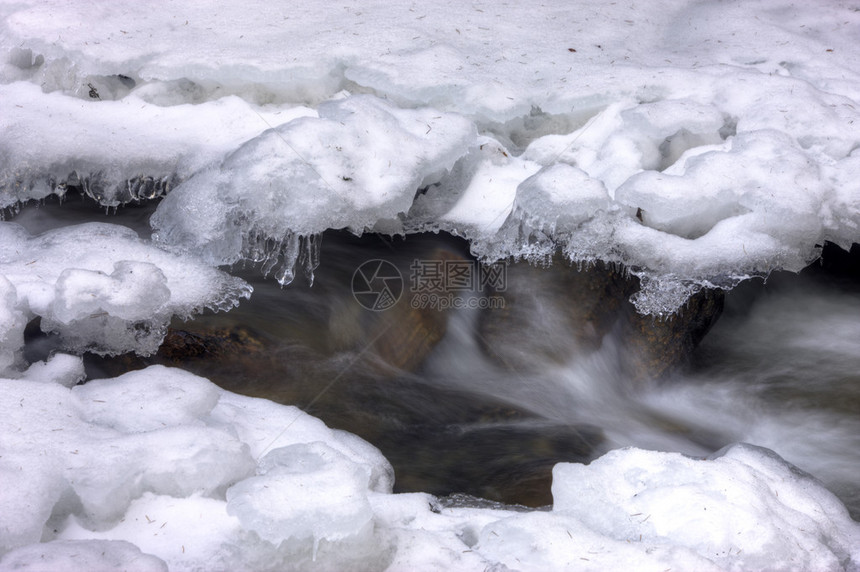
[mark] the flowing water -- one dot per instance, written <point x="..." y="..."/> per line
<point x="780" y="369"/>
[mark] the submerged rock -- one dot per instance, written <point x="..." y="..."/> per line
<point x="552" y="313"/>
<point x="559" y="312"/>
<point x="400" y="336"/>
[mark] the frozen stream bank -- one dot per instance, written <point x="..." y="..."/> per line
<point x="700" y="144"/>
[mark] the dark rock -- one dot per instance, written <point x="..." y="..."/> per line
<point x="404" y="338"/>
<point x="399" y="337"/>
<point x="655" y="347"/>
<point x="552" y="313"/>
<point x="558" y="312"/>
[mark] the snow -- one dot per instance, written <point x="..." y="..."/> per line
<point x="101" y="288"/>
<point x="697" y="143"/>
<point x="91" y="453"/>
<point x="161" y="469"/>
<point x="633" y="494"/>
<point x="359" y="162"/>
<point x="724" y="134"/>
<point x="82" y="555"/>
<point x="117" y="151"/>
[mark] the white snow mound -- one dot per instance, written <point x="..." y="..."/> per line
<point x="101" y="288"/>
<point x="162" y="467"/>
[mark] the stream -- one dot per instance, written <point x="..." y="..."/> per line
<point x="780" y="369"/>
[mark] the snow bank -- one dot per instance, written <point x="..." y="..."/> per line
<point x="699" y="144"/>
<point x="101" y="288"/>
<point x="115" y="151"/>
<point x="161" y="469"/>
<point x="667" y="498"/>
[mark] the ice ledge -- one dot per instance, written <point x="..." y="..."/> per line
<point x="693" y="161"/>
<point x="732" y="203"/>
<point x="101" y="289"/>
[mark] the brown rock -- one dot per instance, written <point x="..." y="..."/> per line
<point x="558" y="312"/>
<point x="404" y="338"/>
<point x="656" y="347"/>
<point x="401" y="336"/>
<point x="552" y="313"/>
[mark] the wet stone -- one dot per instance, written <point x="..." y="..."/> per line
<point x="558" y="313"/>
<point x="657" y="347"/>
<point x="552" y="313"/>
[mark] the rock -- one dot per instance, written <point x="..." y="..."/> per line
<point x="401" y="336"/>
<point x="656" y="347"/>
<point x="552" y="313"/>
<point x="559" y="312"/>
<point x="404" y="338"/>
<point x="409" y="332"/>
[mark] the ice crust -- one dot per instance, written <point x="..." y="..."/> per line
<point x="160" y="469"/>
<point x="100" y="288"/>
<point x="357" y="164"/>
<point x="724" y="137"/>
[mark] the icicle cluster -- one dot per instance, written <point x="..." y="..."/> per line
<point x="282" y="258"/>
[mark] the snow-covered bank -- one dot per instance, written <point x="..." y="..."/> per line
<point x="165" y="463"/>
<point x="697" y="143"/>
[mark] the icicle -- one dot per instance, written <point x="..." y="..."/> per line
<point x="270" y="254"/>
<point x="287" y="272"/>
<point x="309" y="255"/>
<point x="58" y="188"/>
<point x="254" y="248"/>
<point x="282" y="257"/>
<point x="316" y="547"/>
